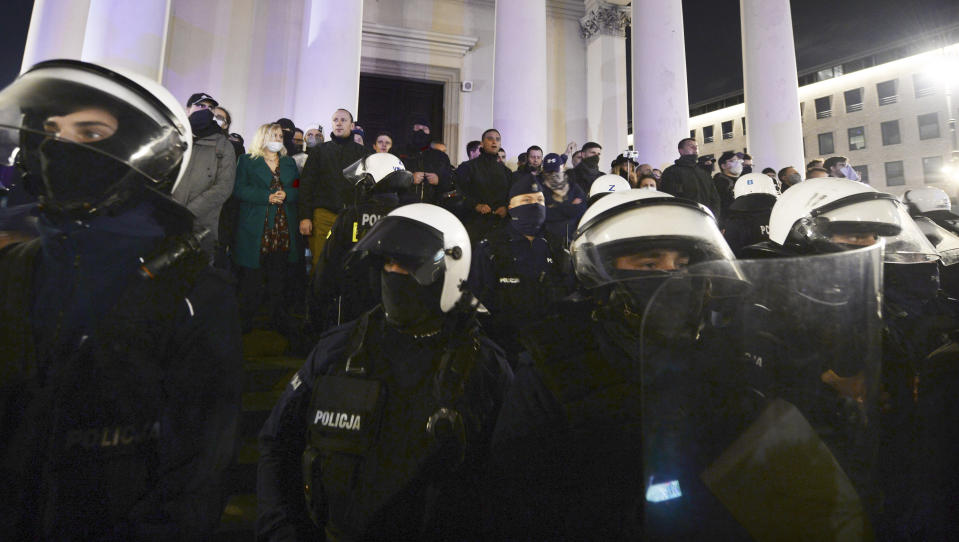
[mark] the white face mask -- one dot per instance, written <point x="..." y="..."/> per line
<point x="850" y="173"/>
<point x="734" y="167"/>
<point x="274" y="146"/>
<point x="219" y="122"/>
<point x="649" y="187"/>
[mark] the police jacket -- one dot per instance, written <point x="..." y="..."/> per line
<point x="429" y="160"/>
<point x="747" y="221"/>
<point x="359" y="291"/>
<point x="346" y="441"/>
<point x="322" y="183"/>
<point x="518" y="280"/>
<point x="685" y="179"/>
<point x="119" y="395"/>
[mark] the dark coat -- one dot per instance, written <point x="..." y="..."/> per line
<point x="483" y="180"/>
<point x="685" y="179"/>
<point x="583" y="175"/>
<point x="724" y="189"/>
<point x="429" y="160"/>
<point x="253" y="178"/>
<point x="322" y="183"/>
<point x="747" y="221"/>
<point x="562" y="217"/>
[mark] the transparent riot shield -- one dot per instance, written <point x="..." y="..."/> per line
<point x="759" y="383"/>
<point x="945" y="241"/>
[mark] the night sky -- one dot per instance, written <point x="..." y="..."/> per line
<point x="824" y="30"/>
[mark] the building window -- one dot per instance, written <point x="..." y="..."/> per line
<point x="707" y="134"/>
<point x="895" y="175"/>
<point x="929" y="126"/>
<point x="924" y="84"/>
<point x="863" y="172"/>
<point x="826" y="145"/>
<point x="857" y="138"/>
<point x="890" y="133"/>
<point x="824" y="107"/>
<point x="932" y="169"/>
<point x="727" y="129"/>
<point x="887" y="92"/>
<point x="692" y="134"/>
<point x="853" y="100"/>
<point x="744" y="125"/>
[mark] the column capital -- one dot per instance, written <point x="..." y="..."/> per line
<point x="605" y="18"/>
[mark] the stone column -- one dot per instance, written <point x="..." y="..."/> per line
<point x="326" y="82"/>
<point x="56" y="31"/>
<point x="519" y="75"/>
<point x="604" y="28"/>
<point x="774" y="134"/>
<point x="660" y="96"/>
<point x="129" y="35"/>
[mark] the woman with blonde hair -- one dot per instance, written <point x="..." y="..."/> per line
<point x="266" y="244"/>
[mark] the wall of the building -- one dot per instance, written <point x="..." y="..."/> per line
<point x="875" y="155"/>
<point x="245" y="54"/>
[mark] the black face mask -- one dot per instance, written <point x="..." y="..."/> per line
<point x="910" y="285"/>
<point x="75" y="174"/>
<point x="592" y="161"/>
<point x="747" y="169"/>
<point x="678" y="310"/>
<point x="529" y="218"/>
<point x="409" y="307"/>
<point x="201" y="120"/>
<point x="419" y="139"/>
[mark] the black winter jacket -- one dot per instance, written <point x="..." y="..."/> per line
<point x="322" y="183"/>
<point x="685" y="179"/>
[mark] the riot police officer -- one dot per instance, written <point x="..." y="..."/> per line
<point x="520" y="270"/>
<point x="606" y="184"/>
<point x="382" y="433"/>
<point x="120" y="349"/>
<point x="340" y="295"/>
<point x="931" y="208"/>
<point x="747" y="218"/>
<point x="830" y="215"/>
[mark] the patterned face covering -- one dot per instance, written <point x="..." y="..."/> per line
<point x="556" y="181"/>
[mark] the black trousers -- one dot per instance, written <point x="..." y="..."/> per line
<point x="267" y="286"/>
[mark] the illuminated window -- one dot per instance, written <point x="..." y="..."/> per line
<point x="924" y="84"/>
<point x="857" y="138"/>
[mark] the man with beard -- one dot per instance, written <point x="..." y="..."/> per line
<point x="324" y="191"/>
<point x="788" y="177"/>
<point x="586" y="171"/>
<point x="534" y="161"/>
<point x="565" y="201"/>
<point x="484" y="183"/>
<point x="432" y="173"/>
<point x="685" y="179"/>
<point x="208" y="180"/>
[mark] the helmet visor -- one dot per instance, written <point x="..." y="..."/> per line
<point x="946" y="242"/>
<point x="100" y="112"/>
<point x="415" y="246"/>
<point x="613" y="249"/>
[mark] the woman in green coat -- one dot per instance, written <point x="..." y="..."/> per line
<point x="266" y="247"/>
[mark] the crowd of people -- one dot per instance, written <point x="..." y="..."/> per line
<point x="550" y="352"/>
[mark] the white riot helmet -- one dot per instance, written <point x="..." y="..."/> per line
<point x="383" y="172"/>
<point x="431" y="244"/>
<point x="754" y="183"/>
<point x="926" y="199"/>
<point x="606" y="184"/>
<point x="822" y="215"/>
<point x="91" y="138"/>
<point x="628" y="221"/>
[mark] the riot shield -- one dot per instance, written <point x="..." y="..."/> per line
<point x="945" y="241"/>
<point x="762" y="423"/>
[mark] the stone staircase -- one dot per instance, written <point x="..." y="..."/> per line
<point x="266" y="372"/>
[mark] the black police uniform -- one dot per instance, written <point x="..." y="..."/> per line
<point x="567" y="456"/>
<point x="519" y="280"/>
<point x="747" y="221"/>
<point x="340" y="295"/>
<point x="120" y="389"/>
<point x="367" y="463"/>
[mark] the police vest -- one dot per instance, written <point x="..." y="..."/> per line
<point x="521" y="299"/>
<point x="374" y="446"/>
<point x="85" y="424"/>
